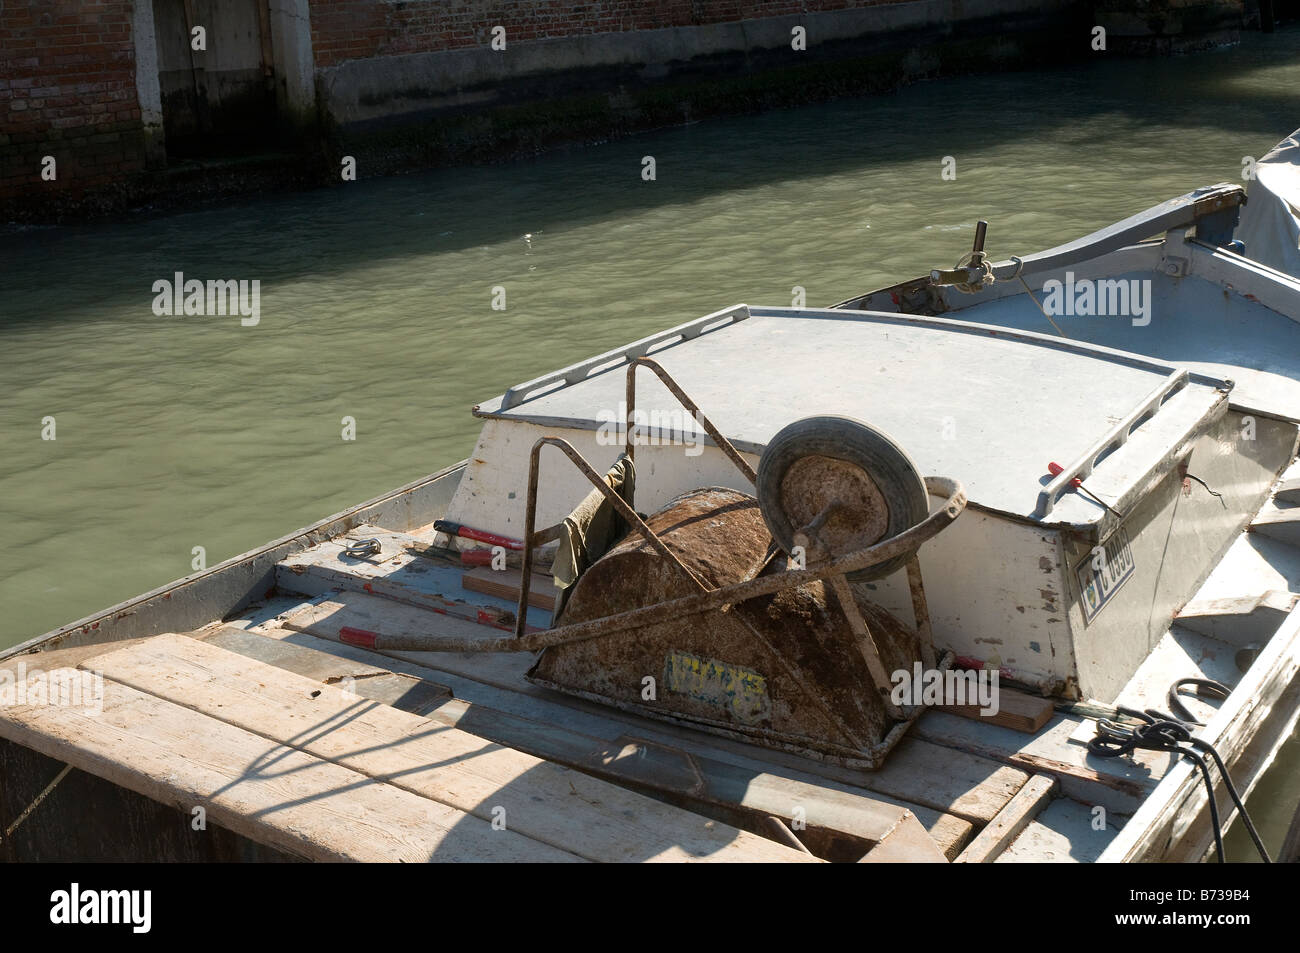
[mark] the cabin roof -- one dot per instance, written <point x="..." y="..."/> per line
<point x="1193" y="321"/>
<point x="988" y="406"/>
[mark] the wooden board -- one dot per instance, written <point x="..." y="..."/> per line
<point x="377" y="682"/>
<point x="951" y="782"/>
<point x="540" y="800"/>
<point x="505" y="584"/>
<point x="396" y="573"/>
<point x="648" y="766"/>
<point x="1065" y="832"/>
<point x="268" y="792"/>
<point x="907" y="843"/>
<point x="1016" y="710"/>
<point x="1011" y="820"/>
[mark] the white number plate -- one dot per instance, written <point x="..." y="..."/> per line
<point x="1098" y="583"/>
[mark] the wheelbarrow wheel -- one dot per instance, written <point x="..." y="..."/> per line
<point x="818" y="461"/>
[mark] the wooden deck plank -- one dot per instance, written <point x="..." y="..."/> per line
<point x="270" y="793"/>
<point x="1011" y="820"/>
<point x="377" y="682"/>
<point x="953" y="782"/>
<point x="540" y="800"/>
<point x="755" y="787"/>
<point x="656" y="769"/>
<point x="506" y="583"/>
<point x="1064" y="833"/>
<point x="400" y="574"/>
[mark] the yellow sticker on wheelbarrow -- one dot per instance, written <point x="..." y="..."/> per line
<point x="740" y="692"/>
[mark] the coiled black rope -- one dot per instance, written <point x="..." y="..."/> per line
<point x="1160" y="731"/>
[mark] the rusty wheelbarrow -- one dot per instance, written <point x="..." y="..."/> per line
<point x="746" y="615"/>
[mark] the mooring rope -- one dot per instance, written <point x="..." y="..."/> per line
<point x="1160" y="731"/>
<point x="9" y="831"/>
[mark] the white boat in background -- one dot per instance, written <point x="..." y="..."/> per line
<point x="1078" y="471"/>
<point x="1270" y="223"/>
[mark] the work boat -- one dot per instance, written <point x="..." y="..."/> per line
<point x="914" y="578"/>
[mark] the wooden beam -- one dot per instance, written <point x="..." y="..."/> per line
<point x="270" y="793"/>
<point x="535" y="798"/>
<point x="505" y="584"/>
<point x="1010" y="821"/>
<point x="1016" y="710"/>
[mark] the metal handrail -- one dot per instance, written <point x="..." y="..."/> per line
<point x="576" y="373"/>
<point x="1116" y="437"/>
<point x="691" y="408"/>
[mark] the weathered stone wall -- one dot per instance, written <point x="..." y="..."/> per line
<point x="378" y="61"/>
<point x="356" y="29"/>
<point x="409" y="83"/>
<point x="67" y="90"/>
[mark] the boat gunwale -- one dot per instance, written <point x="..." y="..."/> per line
<point x="273" y="552"/>
<point x="1274" y="673"/>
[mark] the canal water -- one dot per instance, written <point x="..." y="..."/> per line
<point x="376" y="297"/>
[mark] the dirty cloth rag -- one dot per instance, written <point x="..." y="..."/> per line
<point x="592" y="528"/>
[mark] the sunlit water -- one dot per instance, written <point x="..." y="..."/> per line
<point x="179" y="432"/>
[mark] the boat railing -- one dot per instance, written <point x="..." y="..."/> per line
<point x="1115" y="438"/>
<point x="576" y="373"/>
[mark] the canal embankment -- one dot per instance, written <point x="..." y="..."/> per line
<point x="116" y="105"/>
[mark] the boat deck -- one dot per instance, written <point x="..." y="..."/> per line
<point x="328" y="751"/>
<point x="325" y="750"/>
<point x="292" y="738"/>
<point x="1193" y="323"/>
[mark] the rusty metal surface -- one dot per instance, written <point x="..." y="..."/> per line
<point x="533" y="538"/>
<point x="724" y="669"/>
<point x="814" y="482"/>
<point x="722" y="443"/>
<point x="766" y="583"/>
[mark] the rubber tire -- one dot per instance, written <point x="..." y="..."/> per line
<point x="843" y="438"/>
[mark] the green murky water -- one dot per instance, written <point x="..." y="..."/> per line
<point x="177" y="432"/>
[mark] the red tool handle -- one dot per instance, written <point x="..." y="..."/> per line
<point x="1055" y="469"/>
<point x="476" y="557"/>
<point x="467" y="532"/>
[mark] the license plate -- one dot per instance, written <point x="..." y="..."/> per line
<point x="1101" y="575"/>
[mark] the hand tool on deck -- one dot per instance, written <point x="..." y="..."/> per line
<point x="478" y="535"/>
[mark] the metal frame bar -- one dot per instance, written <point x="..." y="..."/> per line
<point x="1118" y="435"/>
<point x="609" y="360"/>
<point x="906" y="541"/>
<point x="691" y="407"/>
<point x="533" y="538"/>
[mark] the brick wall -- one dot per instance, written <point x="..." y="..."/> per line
<point x="67" y="89"/>
<point x="356" y="29"/>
